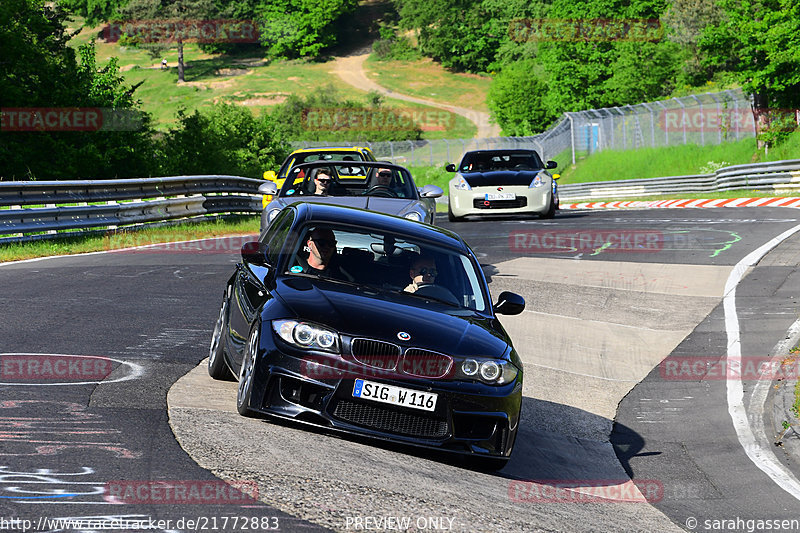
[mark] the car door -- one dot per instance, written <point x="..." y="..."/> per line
<point x="251" y="289"/>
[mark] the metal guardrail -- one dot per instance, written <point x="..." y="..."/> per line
<point x="43" y="209"/>
<point x="773" y="176"/>
<point x="27" y="209"/>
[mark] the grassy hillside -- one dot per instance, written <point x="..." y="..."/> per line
<point x="244" y="78"/>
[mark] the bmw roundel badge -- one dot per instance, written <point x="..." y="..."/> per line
<point x="403" y="336"/>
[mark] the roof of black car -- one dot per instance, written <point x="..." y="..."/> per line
<point x="334" y="214"/>
<point x="504" y="151"/>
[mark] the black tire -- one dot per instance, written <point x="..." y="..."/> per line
<point x="551" y="210"/>
<point x="217" y="367"/>
<point x="451" y="217"/>
<point x="246" y="373"/>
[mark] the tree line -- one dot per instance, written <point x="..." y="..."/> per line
<point x="46" y="84"/>
<point x="552" y="56"/>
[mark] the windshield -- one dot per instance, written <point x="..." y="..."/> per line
<point x="490" y="161"/>
<point x="322" y="155"/>
<point x="429" y="274"/>
<point x="350" y="179"/>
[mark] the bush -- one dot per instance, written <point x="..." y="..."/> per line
<point x="228" y="139"/>
<point x="324" y="116"/>
<point x="516" y="98"/>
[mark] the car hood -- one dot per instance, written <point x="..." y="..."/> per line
<point x="500" y="177"/>
<point x="391" y="206"/>
<point x="359" y="312"/>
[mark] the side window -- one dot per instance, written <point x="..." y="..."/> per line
<point x="276" y="235"/>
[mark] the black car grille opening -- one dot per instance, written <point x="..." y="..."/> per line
<point x="474" y="427"/>
<point x="301" y="393"/>
<point x="376" y="354"/>
<point x="382" y="419"/>
<point x="426" y="364"/>
<point x="519" y="201"/>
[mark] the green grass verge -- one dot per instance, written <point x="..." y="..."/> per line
<point x="126" y="238"/>
<point x="678" y="160"/>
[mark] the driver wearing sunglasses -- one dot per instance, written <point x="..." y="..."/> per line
<point x="423" y="272"/>
<point x="322" y="182"/>
<point x="321" y="245"/>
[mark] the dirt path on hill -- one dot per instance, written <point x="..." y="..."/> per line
<point x="351" y="70"/>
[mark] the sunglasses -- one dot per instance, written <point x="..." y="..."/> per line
<point x="327" y="243"/>
<point x="323" y="180"/>
<point x="385" y="174"/>
<point x="425" y="271"/>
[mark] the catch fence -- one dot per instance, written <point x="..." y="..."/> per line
<point x="711" y="118"/>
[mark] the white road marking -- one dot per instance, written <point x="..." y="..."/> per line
<point x="762" y="457"/>
<point x="136" y="371"/>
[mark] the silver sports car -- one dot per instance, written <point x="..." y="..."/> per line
<point x="377" y="186"/>
<point x="502" y="182"/>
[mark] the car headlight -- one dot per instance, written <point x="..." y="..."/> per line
<point x="538" y="181"/>
<point x="272" y="214"/>
<point x="307" y="335"/>
<point x="491" y="371"/>
<point x="413" y="216"/>
<point x="461" y="184"/>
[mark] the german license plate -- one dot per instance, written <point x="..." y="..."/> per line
<point x="500" y="196"/>
<point x="390" y="394"/>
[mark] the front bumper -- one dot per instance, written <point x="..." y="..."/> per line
<point x="535" y="200"/>
<point x="469" y="418"/>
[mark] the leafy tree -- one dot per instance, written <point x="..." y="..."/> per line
<point x="685" y="22"/>
<point x="39" y="70"/>
<point x="300" y="28"/>
<point x="94" y="11"/>
<point x="760" y="42"/>
<point x="463" y="34"/>
<point x="227" y="139"/>
<point x="516" y="99"/>
<point x="610" y="61"/>
<point x="171" y="10"/>
<point x="324" y="116"/>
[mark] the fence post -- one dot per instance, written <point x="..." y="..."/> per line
<point x="572" y="135"/>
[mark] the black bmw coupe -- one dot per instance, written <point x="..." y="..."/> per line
<point x="373" y="325"/>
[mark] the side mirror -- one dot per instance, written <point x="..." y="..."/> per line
<point x="268" y="188"/>
<point x="509" y="303"/>
<point x="450" y="168"/>
<point x="255" y="253"/>
<point x="431" y="191"/>
<point x="270" y="175"/>
<point x="556" y="176"/>
<point x="550" y="164"/>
